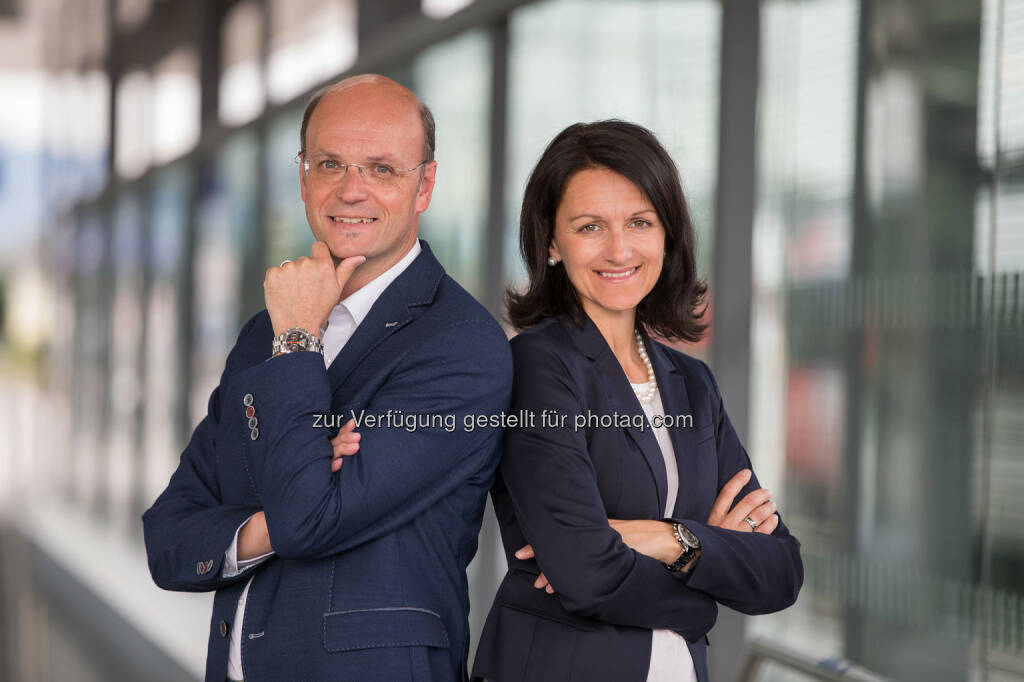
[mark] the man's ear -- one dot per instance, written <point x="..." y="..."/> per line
<point x="302" y="178"/>
<point x="426" y="187"/>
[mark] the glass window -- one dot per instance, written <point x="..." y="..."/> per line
<point x="454" y="80"/>
<point x="90" y="367"/>
<point x="125" y="386"/>
<point x="76" y="162"/>
<point x="23" y="159"/>
<point x="61" y="356"/>
<point x="91" y="141"/>
<point x="288" y="233"/>
<point x="802" y="239"/>
<point x="164" y="336"/>
<point x="310" y="41"/>
<point x="886" y="329"/>
<point x="999" y="268"/>
<point x="175" y="121"/>
<point x="652" y="63"/>
<point x="241" y="84"/>
<point x="226" y="233"/>
<point x="439" y="9"/>
<point x="133" y="132"/>
<point x="1000" y="206"/>
<point x="63" y="352"/>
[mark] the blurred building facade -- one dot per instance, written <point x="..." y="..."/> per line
<point x="856" y="170"/>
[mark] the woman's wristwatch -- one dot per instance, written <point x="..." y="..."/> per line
<point x="296" y="339"/>
<point x="690" y="544"/>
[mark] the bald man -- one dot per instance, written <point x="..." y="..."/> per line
<point x="333" y="494"/>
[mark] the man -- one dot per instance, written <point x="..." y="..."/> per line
<point x="330" y="565"/>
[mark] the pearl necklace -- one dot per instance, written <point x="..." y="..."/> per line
<point x="646" y="394"/>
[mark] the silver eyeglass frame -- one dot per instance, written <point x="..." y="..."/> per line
<point x="360" y="167"/>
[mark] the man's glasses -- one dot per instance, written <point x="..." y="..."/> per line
<point x="328" y="169"/>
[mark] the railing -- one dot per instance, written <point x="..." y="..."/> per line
<point x="761" y="651"/>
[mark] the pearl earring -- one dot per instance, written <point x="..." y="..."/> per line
<point x="552" y="261"/>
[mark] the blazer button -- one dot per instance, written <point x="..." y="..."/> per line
<point x="223" y="628"/>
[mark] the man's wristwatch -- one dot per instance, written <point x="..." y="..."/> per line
<point x="296" y="339"/>
<point x="690" y="544"/>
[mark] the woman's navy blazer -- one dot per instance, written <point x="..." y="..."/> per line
<point x="558" y="487"/>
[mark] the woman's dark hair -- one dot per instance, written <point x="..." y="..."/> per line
<point x="674" y="308"/>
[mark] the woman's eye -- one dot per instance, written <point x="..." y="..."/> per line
<point x="640" y="222"/>
<point x="591" y="227"/>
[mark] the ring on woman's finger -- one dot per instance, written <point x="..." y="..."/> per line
<point x="753" y="524"/>
<point x="286" y="260"/>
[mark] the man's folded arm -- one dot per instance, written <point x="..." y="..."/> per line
<point x="188" y="529"/>
<point x="233" y="566"/>
<point x="398" y="472"/>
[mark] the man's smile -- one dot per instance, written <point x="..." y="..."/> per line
<point x="351" y="221"/>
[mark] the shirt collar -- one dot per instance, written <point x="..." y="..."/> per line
<point x="358" y="303"/>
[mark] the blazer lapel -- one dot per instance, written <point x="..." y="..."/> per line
<point x="415" y="287"/>
<point x="621" y="399"/>
<point x="676" y="401"/>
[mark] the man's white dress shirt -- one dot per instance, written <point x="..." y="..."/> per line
<point x="341" y="324"/>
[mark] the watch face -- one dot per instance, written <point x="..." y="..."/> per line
<point x="688" y="537"/>
<point x="296" y="339"/>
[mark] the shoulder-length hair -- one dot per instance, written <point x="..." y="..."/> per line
<point x="674" y="308"/>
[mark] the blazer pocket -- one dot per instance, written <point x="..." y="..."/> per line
<point x="383" y="627"/>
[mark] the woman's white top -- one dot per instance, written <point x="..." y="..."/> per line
<point x="670" y="657"/>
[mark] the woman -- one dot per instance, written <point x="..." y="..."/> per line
<point x="624" y="493"/>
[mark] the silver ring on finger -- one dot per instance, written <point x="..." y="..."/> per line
<point x="286" y="260"/>
<point x="752" y="523"/>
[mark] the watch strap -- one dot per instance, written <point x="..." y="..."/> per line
<point x="689" y="551"/>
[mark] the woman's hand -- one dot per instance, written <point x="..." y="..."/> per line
<point x="757" y="506"/>
<point x="346" y="444"/>
<point x="541" y="582"/>
<point x="655" y="538"/>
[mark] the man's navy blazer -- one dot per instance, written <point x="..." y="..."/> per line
<point x="368" y="581"/>
<point x="557" y="488"/>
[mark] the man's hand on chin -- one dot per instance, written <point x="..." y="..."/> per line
<point x="302" y="293"/>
